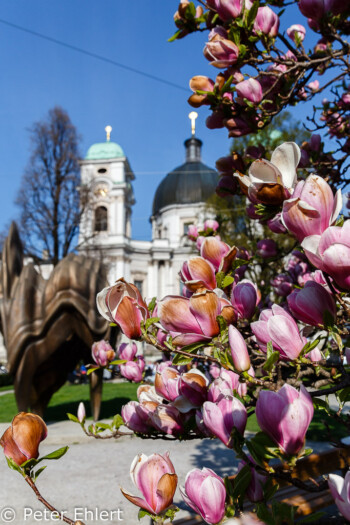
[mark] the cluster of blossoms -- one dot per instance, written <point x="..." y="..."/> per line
<point x="222" y="320"/>
<point x="263" y="70"/>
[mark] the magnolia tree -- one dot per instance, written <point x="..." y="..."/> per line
<point x="233" y="346"/>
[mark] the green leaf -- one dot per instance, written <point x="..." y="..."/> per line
<point x="56" y="454"/>
<point x="151" y="321"/>
<point x="179" y="359"/>
<point x="271" y="361"/>
<point x="241" y="482"/>
<point x="328" y="320"/>
<point x="152" y="305"/>
<point x="320" y="403"/>
<point x="262" y="448"/>
<point x="118" y="362"/>
<point x="103" y="426"/>
<point x="173" y="38"/>
<point x="14" y="465"/>
<point x="73" y="418"/>
<point x="92" y="369"/>
<point x="227" y="281"/>
<point x="283" y="512"/>
<point x="264" y="514"/>
<point x="220" y="276"/>
<point x="117" y="421"/>
<point x="252" y="14"/>
<point x="29" y="464"/>
<point x="340" y="221"/>
<point x="37" y="473"/>
<point x="142" y="513"/>
<point x="270" y="488"/>
<point x="222" y="323"/>
<point x="310" y="345"/>
<point x="171" y="513"/>
<point x="190" y="12"/>
<point x="344" y="395"/>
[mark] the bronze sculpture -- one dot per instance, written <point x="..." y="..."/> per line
<point x="49" y="325"/>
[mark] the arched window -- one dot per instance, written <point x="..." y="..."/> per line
<point x="101" y="220"/>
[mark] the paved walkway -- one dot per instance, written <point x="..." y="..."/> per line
<point x="89" y="477"/>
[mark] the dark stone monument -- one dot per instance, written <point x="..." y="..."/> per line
<point x="49" y="325"/>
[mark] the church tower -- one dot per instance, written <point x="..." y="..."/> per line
<point x="105" y="227"/>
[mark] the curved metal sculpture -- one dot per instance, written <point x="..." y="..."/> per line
<point x="49" y="325"/>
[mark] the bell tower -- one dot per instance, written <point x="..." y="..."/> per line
<point x="107" y="197"/>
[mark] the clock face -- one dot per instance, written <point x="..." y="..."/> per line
<point x="101" y="190"/>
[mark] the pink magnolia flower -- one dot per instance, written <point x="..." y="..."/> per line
<point x="205" y="493"/>
<point x="81" y="414"/>
<point x="340" y="490"/>
<point x="266" y="248"/>
<point x="234" y="381"/>
<point x="244" y="298"/>
<point x="135" y="420"/>
<point x="221" y="52"/>
<point x="198" y="273"/>
<point x="250" y="89"/>
<point x="282" y="284"/>
<point x="223" y="416"/>
<point x="279" y="327"/>
<point x="127" y="351"/>
<point x="311" y="303"/>
<point x="21" y="440"/>
<point x="239" y="351"/>
<point x="218" y="389"/>
<point x="192" y="232"/>
<point x="272" y="182"/>
<point x="190" y="320"/>
<point x="218" y="253"/>
<point x="102" y="353"/>
<point x="296" y="32"/>
<point x="285" y="416"/>
<point x="193" y="386"/>
<point x="275" y="224"/>
<point x="267" y="22"/>
<point x="167" y="419"/>
<point x="330" y="252"/>
<point x="214" y="370"/>
<point x="155" y="477"/>
<point x="200" y="83"/>
<point x="312" y="208"/>
<point x="166" y="383"/>
<point x="211" y="224"/>
<point x="313" y="86"/>
<point x="132" y="370"/>
<point x="122" y="304"/>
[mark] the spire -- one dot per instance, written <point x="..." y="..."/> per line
<point x="193" y="145"/>
<point x="108" y="130"/>
<point x="192" y="116"/>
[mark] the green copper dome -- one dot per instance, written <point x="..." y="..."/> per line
<point x="104" y="151"/>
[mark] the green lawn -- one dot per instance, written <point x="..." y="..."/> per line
<point x="67" y="399"/>
<point x="8" y="387"/>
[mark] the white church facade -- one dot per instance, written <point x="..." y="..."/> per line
<point x="179" y="200"/>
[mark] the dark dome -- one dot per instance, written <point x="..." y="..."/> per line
<point x="190" y="183"/>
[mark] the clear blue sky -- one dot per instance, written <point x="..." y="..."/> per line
<point x="149" y="119"/>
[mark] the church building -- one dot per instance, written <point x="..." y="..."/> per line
<point x="179" y="201"/>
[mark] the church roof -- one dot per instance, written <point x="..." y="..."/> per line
<point x="190" y="183"/>
<point x="104" y="151"/>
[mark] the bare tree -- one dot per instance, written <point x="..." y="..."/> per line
<point x="49" y="200"/>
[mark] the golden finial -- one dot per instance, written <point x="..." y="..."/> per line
<point x="108" y="130"/>
<point x="192" y="116"/>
